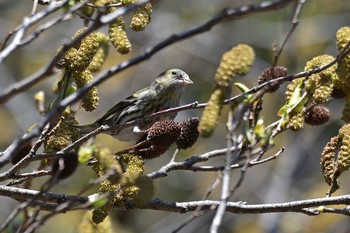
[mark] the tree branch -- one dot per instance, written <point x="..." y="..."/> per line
<point x="184" y="207"/>
<point x="244" y="208"/>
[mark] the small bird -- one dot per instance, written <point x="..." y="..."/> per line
<point x="163" y="93"/>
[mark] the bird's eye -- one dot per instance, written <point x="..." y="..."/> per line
<point x="173" y="72"/>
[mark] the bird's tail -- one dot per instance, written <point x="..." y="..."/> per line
<point x="84" y="129"/>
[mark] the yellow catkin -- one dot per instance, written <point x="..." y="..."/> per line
<point x="91" y="98"/>
<point x="134" y="185"/>
<point x="79" y="58"/>
<point x="346" y="111"/>
<point x="134" y="165"/>
<point x="343" y="81"/>
<point x="142" y="17"/>
<point x="343" y="38"/>
<point x="63" y="135"/>
<point x="101" y="54"/>
<point x="118" y="36"/>
<point x="237" y="61"/>
<point x="328" y="162"/>
<point x="297" y="121"/>
<point x="211" y="112"/>
<point x="343" y="160"/>
<point x="124" y="186"/>
<point x="88" y="226"/>
<point x="87" y="50"/>
<point x="320" y="85"/>
<point x="82" y="78"/>
<point x="117" y="200"/>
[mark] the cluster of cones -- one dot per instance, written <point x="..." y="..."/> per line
<point x="162" y="135"/>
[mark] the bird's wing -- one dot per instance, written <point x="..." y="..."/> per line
<point x="117" y="109"/>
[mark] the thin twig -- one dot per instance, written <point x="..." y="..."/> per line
<point x="162" y="172"/>
<point x="233" y="166"/>
<point x="295" y="23"/>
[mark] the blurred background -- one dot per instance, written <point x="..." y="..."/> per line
<point x="293" y="176"/>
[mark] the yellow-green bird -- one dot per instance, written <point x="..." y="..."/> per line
<point x="163" y="93"/>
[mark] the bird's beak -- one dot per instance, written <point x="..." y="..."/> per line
<point x="186" y="80"/>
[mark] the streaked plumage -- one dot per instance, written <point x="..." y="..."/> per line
<point x="163" y="93"/>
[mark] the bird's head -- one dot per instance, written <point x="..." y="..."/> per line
<point x="173" y="77"/>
